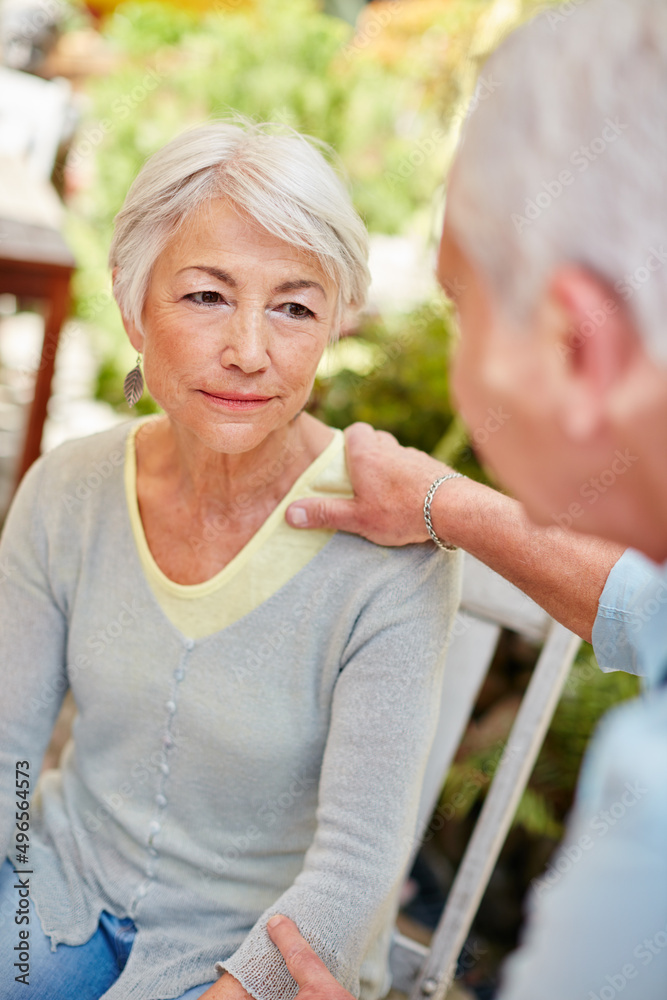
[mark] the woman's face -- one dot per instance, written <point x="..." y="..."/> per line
<point x="235" y="323"/>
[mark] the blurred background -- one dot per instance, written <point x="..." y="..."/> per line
<point x="87" y="93"/>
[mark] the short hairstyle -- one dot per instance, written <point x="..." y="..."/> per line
<point x="280" y="178"/>
<point x="564" y="159"/>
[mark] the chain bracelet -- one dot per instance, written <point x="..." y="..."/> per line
<point x="427" y="510"/>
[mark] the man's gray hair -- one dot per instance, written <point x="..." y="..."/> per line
<point x="280" y="178"/>
<point x="566" y="160"/>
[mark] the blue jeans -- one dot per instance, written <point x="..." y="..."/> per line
<point x="71" y="972"/>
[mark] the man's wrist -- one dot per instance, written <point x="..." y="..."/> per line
<point x="451" y="508"/>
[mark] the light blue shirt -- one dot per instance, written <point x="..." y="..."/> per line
<point x="597" y="925"/>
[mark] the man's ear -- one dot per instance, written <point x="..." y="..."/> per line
<point x="134" y="335"/>
<point x="597" y="343"/>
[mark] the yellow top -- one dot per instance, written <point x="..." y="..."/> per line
<point x="271" y="558"/>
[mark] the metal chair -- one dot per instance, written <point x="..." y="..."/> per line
<point x="489" y="603"/>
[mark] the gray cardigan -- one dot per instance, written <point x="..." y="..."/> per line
<point x="273" y="766"/>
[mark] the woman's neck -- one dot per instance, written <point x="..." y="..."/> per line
<point x="241" y="482"/>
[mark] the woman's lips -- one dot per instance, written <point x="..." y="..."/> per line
<point x="236" y="401"/>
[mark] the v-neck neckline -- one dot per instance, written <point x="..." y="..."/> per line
<point x="235" y="565"/>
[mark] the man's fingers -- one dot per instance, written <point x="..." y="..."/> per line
<point x="338" y="515"/>
<point x="304" y="965"/>
<point x="360" y="438"/>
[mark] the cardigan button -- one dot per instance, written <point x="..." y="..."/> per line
<point x="161" y="800"/>
<point x="189" y="644"/>
<point x="164" y="768"/>
<point x="171" y="707"/>
<point x="179" y="673"/>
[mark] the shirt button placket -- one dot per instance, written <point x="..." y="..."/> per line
<point x="161" y="800"/>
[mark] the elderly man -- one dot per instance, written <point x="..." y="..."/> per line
<point x="553" y="251"/>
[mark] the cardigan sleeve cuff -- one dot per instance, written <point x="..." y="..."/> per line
<point x="260" y="968"/>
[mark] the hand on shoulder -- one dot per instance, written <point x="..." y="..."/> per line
<point x="390" y="483"/>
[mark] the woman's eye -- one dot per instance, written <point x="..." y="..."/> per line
<point x="207" y="298"/>
<point x="296" y="310"/>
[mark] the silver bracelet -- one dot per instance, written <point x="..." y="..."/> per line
<point x="427" y="510"/>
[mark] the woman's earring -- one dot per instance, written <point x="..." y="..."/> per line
<point x="133" y="386"/>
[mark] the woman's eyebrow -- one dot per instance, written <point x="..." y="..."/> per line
<point x="287" y="286"/>
<point x="295" y="286"/>
<point x="213" y="271"/>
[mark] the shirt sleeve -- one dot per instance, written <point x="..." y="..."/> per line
<point x="32" y="645"/>
<point x="384" y="713"/>
<point x="598" y="921"/>
<point x="622" y="614"/>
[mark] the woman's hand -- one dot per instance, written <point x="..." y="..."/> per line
<point x="311" y="974"/>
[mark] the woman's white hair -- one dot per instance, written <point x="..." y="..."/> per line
<point x="566" y="160"/>
<point x="280" y="178"/>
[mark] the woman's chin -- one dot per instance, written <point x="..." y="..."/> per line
<point x="231" y="437"/>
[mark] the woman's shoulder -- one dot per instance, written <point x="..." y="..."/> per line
<point x="76" y="469"/>
<point x="396" y="571"/>
<point x="104" y="450"/>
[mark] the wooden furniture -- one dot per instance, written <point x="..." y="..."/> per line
<point x="35" y="263"/>
<point x="488" y="604"/>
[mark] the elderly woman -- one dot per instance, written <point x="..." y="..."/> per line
<point x="255" y="704"/>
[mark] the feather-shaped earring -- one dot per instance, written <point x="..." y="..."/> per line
<point x="133" y="386"/>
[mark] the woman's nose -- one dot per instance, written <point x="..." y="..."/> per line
<point x="246" y="341"/>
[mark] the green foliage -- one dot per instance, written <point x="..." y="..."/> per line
<point x="110" y="388"/>
<point x="587" y="695"/>
<point x="407" y="389"/>
<point x="403" y="388"/>
<point x="279" y="60"/>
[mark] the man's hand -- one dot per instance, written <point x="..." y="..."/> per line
<point x="389" y="482"/>
<point x="226" y="988"/>
<point x="311" y="974"/>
